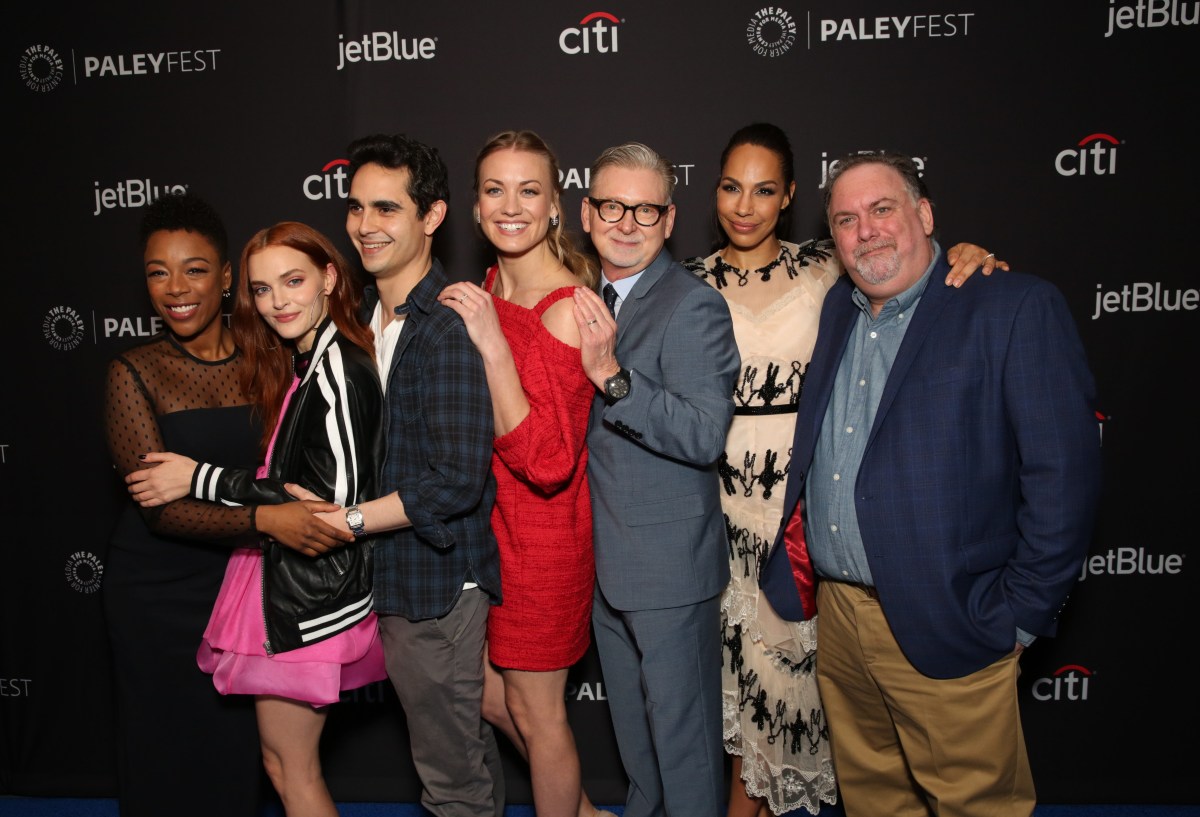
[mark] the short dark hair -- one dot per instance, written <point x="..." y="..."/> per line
<point x="185" y="211"/>
<point x="428" y="180"/>
<point x="899" y="162"/>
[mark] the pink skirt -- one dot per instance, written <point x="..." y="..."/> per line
<point x="232" y="649"/>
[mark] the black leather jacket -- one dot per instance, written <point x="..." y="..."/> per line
<point x="330" y="441"/>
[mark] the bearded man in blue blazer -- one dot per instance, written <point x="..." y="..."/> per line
<point x="948" y="459"/>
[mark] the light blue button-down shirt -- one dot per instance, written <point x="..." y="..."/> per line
<point x="834" y="537"/>
<point x="623" y="288"/>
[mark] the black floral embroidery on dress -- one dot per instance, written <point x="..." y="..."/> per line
<point x="749" y="549"/>
<point x="804" y="732"/>
<point x="750" y="392"/>
<point x="743" y="480"/>
<point x="792" y="261"/>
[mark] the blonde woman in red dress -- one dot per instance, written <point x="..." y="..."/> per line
<point x="522" y="320"/>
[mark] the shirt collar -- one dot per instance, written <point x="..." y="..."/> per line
<point x="624" y="286"/>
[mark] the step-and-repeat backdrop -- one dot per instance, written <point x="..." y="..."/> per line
<point x="1053" y="133"/>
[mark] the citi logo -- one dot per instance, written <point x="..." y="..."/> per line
<point x="1152" y="14"/>
<point x="597" y="32"/>
<point x="381" y="46"/>
<point x="333" y="182"/>
<point x="1069" y="683"/>
<point x="827" y="166"/>
<point x="1129" y="561"/>
<point x="1097" y="151"/>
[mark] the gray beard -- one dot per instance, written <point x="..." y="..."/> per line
<point x="879" y="269"/>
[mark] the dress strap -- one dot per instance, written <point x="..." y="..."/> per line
<point x="552" y="298"/>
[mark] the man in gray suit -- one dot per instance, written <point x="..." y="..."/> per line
<point x="661" y="352"/>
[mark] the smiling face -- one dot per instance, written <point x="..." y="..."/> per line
<point x="290" y="292"/>
<point x="515" y="201"/>
<point x="184" y="278"/>
<point x="382" y="222"/>
<point x="626" y="247"/>
<point x="751" y="195"/>
<point x="881" y="233"/>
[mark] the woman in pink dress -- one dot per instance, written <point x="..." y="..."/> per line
<point x="522" y="320"/>
<point x="293" y="628"/>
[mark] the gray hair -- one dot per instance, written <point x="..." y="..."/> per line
<point x="898" y="162"/>
<point x="635" y="156"/>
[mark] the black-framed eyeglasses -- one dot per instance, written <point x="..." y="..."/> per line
<point x="612" y="211"/>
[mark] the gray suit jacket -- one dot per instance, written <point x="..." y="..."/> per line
<point x="660" y="537"/>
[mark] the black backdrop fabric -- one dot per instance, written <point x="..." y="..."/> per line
<point x="1053" y="133"/>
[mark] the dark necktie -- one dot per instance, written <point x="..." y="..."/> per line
<point x="610" y="299"/>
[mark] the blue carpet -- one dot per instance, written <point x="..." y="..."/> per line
<point x="72" y="807"/>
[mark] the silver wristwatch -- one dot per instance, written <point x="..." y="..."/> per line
<point x="355" y="521"/>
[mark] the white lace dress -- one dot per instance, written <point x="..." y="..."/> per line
<point x="772" y="711"/>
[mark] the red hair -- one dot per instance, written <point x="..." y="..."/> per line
<point x="267" y="374"/>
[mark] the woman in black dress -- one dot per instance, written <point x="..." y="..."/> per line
<point x="182" y="749"/>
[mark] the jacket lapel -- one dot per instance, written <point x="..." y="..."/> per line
<point x="633" y="304"/>
<point x="925" y="317"/>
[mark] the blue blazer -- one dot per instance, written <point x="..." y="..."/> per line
<point x="660" y="537"/>
<point x="979" y="485"/>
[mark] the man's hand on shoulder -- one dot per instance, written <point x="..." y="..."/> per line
<point x="597" y="335"/>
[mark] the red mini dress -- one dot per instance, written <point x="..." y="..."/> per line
<point x="543" y="514"/>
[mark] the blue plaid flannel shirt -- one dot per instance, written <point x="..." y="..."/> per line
<point x="439" y="452"/>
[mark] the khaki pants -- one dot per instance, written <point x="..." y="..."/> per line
<point x="904" y="744"/>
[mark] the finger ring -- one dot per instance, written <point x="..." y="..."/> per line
<point x="989" y="255"/>
<point x="593" y="320"/>
<point x="462" y="299"/>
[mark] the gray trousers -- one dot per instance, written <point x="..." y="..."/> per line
<point x="436" y="666"/>
<point x="662" y="673"/>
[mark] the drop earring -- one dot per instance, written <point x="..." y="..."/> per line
<point x="225" y="293"/>
<point x="554" y="220"/>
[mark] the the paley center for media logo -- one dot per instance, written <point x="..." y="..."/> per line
<point x="41" y="68"/>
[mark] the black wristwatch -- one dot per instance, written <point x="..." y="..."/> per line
<point x="617" y="386"/>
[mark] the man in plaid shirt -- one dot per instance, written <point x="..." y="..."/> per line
<point x="437" y="570"/>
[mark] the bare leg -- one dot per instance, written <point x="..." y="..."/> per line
<point x="495" y="709"/>
<point x="290" y="733"/>
<point x="495" y="712"/>
<point x="535" y="702"/>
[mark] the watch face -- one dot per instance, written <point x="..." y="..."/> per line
<point x="617" y="386"/>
